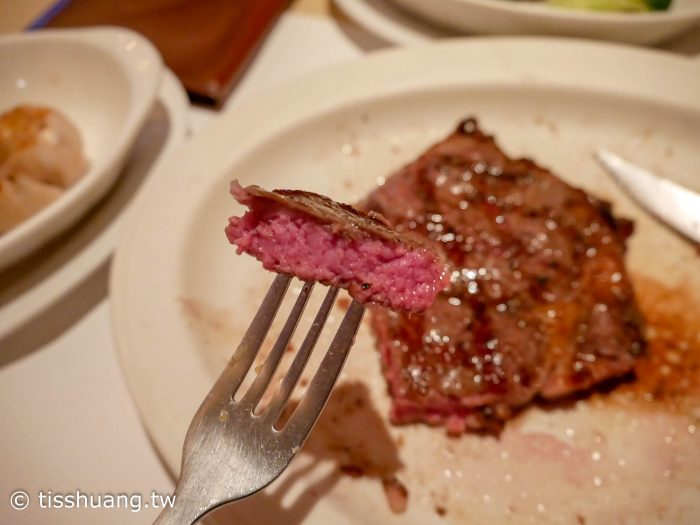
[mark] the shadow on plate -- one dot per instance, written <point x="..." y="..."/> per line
<point x="57" y="318"/>
<point x="362" y="38"/>
<point x="687" y="43"/>
<point x="350" y="439"/>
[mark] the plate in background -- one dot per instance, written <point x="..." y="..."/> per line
<point x="515" y="17"/>
<point x="386" y="20"/>
<point x="391" y="22"/>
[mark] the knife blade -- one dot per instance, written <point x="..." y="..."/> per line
<point x="676" y="205"/>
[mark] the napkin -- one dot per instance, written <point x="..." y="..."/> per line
<point x="207" y="43"/>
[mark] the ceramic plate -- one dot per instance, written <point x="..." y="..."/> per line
<point x="182" y="298"/>
<point x="31" y="286"/>
<point x="388" y="21"/>
<point x="105" y="81"/>
<point x="511" y="17"/>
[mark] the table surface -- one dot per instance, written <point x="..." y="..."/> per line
<point x="69" y="421"/>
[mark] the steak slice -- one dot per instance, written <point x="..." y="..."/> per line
<point x="539" y="304"/>
<point x="316" y="239"/>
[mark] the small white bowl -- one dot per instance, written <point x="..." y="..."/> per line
<point x="105" y="81"/>
<point x="511" y="17"/>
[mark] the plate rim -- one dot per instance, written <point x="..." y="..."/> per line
<point x="401" y="22"/>
<point x="399" y="27"/>
<point x="608" y="18"/>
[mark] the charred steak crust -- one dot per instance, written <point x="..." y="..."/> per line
<point x="352" y="221"/>
<point x="539" y="303"/>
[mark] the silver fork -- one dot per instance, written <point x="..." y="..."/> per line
<point x="230" y="450"/>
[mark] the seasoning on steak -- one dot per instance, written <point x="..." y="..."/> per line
<point x="540" y="303"/>
<point x="314" y="238"/>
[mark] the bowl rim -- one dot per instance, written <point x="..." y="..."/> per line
<point x="141" y="65"/>
<point x="553" y="13"/>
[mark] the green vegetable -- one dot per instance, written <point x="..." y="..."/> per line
<point x="630" y="6"/>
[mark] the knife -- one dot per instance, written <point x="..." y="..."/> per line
<point x="677" y="206"/>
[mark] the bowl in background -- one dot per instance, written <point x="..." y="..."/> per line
<point x="104" y="80"/>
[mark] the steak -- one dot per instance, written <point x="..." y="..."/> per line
<point x="316" y="239"/>
<point x="539" y="305"/>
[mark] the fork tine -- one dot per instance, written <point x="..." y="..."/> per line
<point x="249" y="347"/>
<point x="291" y="378"/>
<point x="262" y="380"/>
<point x="315" y="398"/>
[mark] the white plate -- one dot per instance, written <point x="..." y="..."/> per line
<point x="402" y="24"/>
<point x="514" y="17"/>
<point x="35" y="283"/>
<point x="181" y="297"/>
<point x="105" y="81"/>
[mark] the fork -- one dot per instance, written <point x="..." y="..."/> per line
<point x="232" y="451"/>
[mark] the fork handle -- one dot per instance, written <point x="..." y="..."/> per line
<point x="171" y="516"/>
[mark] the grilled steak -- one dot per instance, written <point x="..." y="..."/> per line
<point x="540" y="303"/>
<point x="315" y="238"/>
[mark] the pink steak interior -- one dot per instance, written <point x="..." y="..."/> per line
<point x="372" y="269"/>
